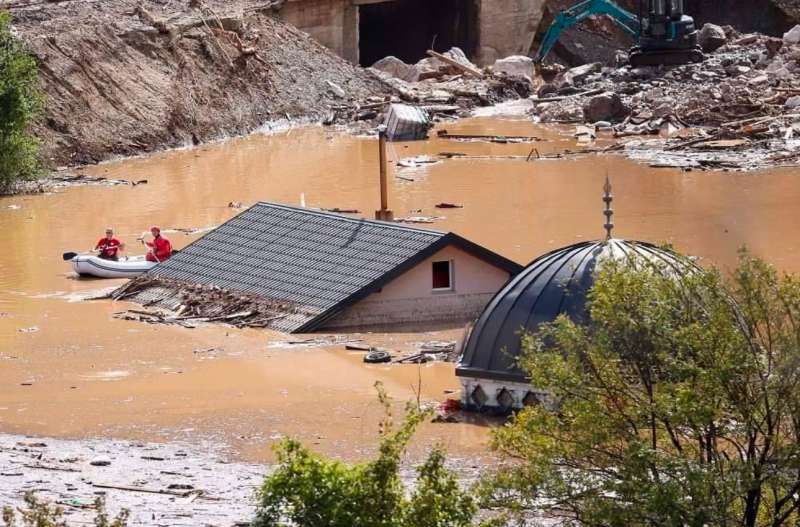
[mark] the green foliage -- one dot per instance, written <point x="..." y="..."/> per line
<point x="41" y="514"/>
<point x="20" y="102"/>
<point x="677" y="404"/>
<point x="310" y="491"/>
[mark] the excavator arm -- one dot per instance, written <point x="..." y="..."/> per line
<point x="574" y="15"/>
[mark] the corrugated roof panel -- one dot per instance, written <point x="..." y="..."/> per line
<point x="312" y="258"/>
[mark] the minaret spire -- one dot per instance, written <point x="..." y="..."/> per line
<point x="608" y="197"/>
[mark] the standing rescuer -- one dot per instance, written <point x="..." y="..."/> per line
<point x="160" y="248"/>
<point x="108" y="246"/>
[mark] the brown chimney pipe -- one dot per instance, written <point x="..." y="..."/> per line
<point x="384" y="214"/>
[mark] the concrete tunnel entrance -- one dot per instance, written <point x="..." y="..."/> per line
<point x="408" y="28"/>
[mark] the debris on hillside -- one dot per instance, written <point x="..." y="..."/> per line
<point x="132" y="76"/>
<point x="739" y="109"/>
<point x="448" y="83"/>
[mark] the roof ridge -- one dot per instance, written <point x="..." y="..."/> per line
<point x="379" y="223"/>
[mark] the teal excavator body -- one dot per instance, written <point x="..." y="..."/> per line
<point x="662" y="30"/>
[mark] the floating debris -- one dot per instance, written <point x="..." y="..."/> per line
<point x="419" y="219"/>
<point x="502" y="139"/>
<point x="415" y="162"/>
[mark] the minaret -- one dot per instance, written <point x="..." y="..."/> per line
<point x="608" y="197"/>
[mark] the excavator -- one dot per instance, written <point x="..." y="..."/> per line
<point x="663" y="32"/>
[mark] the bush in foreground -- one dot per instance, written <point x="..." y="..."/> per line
<point x="677" y="404"/>
<point x="20" y="102"/>
<point x="311" y="491"/>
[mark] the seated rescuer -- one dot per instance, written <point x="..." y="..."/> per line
<point x="108" y="246"/>
<point x="160" y="248"/>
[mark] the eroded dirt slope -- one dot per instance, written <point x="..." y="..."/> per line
<point x="127" y="77"/>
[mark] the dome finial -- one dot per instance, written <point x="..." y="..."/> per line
<point x="608" y="212"/>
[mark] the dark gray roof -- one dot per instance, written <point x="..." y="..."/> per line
<point x="553" y="284"/>
<point x="320" y="262"/>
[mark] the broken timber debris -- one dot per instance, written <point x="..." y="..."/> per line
<point x="458" y="65"/>
<point x="444" y="134"/>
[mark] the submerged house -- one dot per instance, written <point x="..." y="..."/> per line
<point x="326" y="271"/>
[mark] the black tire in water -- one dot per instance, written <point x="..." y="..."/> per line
<point x="375" y="357"/>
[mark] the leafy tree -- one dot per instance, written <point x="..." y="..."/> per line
<point x="310" y="491"/>
<point x="676" y="404"/>
<point x="20" y="102"/>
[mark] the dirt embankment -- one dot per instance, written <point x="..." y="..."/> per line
<point x="127" y="77"/>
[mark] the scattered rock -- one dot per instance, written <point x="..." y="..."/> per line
<point x="773" y="46"/>
<point x="336" y="89"/>
<point x="100" y="461"/>
<point x="397" y="69"/>
<point x="711" y="37"/>
<point x="605" y="107"/>
<point x="517" y="65"/>
<point x="433" y="68"/>
<point x="579" y="74"/>
<point x="792" y="37"/>
<point x="792" y="102"/>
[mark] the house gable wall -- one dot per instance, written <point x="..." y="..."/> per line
<point x="410" y="298"/>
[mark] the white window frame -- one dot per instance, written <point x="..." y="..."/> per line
<point x="451" y="274"/>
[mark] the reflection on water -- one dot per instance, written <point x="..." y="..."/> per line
<point x="516" y="208"/>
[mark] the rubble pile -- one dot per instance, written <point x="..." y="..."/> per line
<point x="444" y="85"/>
<point x="187" y="305"/>
<point x="738" y="109"/>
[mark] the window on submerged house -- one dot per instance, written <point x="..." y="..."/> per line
<point x="442" y="275"/>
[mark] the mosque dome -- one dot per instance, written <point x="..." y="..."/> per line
<point x="554" y="284"/>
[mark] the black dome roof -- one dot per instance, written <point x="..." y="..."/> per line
<point x="552" y="284"/>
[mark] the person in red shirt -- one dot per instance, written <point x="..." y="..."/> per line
<point x="108" y="246"/>
<point x="160" y="248"/>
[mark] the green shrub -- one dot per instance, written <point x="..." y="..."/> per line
<point x="676" y="405"/>
<point x="42" y="514"/>
<point x="310" y="491"/>
<point x="20" y="102"/>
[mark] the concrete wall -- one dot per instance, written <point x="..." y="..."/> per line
<point x="410" y="299"/>
<point x="507" y="27"/>
<point x="333" y="23"/>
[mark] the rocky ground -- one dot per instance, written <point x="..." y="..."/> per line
<point x="738" y="109"/>
<point x="160" y="484"/>
<point x="130" y="76"/>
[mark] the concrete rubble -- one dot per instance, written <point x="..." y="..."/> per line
<point x="445" y="85"/>
<point x="737" y="110"/>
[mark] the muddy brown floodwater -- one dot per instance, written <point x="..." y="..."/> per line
<point x="68" y="369"/>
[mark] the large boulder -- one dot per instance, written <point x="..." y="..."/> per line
<point x="515" y="66"/>
<point x="604" y="107"/>
<point x="432" y="68"/>
<point x="578" y="74"/>
<point x="397" y="69"/>
<point x="711" y="37"/>
<point x="792" y="37"/>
